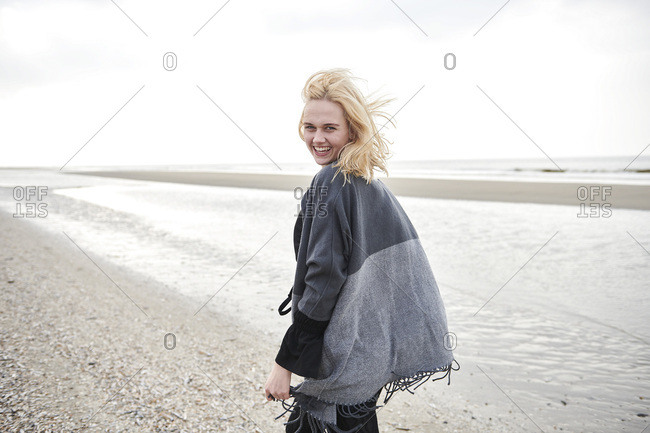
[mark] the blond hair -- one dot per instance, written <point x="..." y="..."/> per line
<point x="368" y="148"/>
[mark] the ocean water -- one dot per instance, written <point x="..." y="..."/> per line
<point x="551" y="311"/>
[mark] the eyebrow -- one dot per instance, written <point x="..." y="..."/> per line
<point x="326" y="124"/>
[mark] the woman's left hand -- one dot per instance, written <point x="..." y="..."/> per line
<point x="277" y="385"/>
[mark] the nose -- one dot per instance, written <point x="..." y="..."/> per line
<point x="319" y="137"/>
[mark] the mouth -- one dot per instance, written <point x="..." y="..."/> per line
<point x="322" y="150"/>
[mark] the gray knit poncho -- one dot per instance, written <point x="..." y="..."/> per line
<point x="366" y="310"/>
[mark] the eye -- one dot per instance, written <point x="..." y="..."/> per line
<point x="309" y="126"/>
<point x="332" y="128"/>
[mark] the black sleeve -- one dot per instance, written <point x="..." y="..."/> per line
<point x="302" y="346"/>
<point x="297" y="232"/>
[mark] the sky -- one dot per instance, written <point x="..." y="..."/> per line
<point x="84" y="82"/>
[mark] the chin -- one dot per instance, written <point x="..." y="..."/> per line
<point x="323" y="162"/>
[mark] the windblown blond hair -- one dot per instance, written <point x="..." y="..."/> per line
<point x="368" y="148"/>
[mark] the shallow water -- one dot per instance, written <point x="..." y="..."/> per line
<point x="563" y="339"/>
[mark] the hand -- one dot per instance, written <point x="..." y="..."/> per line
<point x="277" y="385"/>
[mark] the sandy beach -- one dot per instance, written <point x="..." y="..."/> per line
<point x="623" y="196"/>
<point x="84" y="352"/>
<point x="104" y="324"/>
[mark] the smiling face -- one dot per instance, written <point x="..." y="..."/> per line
<point x="325" y="130"/>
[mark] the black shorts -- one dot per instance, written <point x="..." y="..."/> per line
<point x="368" y="421"/>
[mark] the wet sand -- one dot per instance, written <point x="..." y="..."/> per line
<point x="589" y="195"/>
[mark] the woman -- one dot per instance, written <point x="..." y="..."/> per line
<point x="366" y="310"/>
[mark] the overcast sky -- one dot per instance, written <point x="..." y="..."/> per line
<point x="567" y="78"/>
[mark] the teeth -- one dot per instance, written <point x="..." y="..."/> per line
<point x="322" y="149"/>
